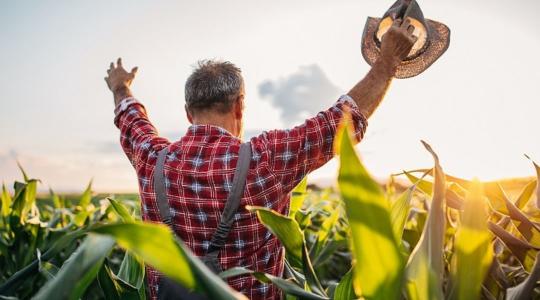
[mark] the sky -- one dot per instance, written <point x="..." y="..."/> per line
<point x="477" y="105"/>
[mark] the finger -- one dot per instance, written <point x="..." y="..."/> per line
<point x="119" y="62"/>
<point x="406" y="23"/>
<point x="410" y="29"/>
<point x="134" y="70"/>
<point x="397" y="23"/>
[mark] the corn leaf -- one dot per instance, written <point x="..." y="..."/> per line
<point x="378" y="266"/>
<point x="290" y="287"/>
<point x="472" y="247"/>
<point x="86" y="196"/>
<point x="529" y="230"/>
<point x="290" y="235"/>
<point x="523" y="251"/>
<point x="345" y="290"/>
<point x="425" y="268"/>
<point x="6" y="202"/>
<point x="79" y="270"/>
<point x="537" y="168"/>
<point x="156" y="245"/>
<point x="400" y="210"/>
<point x="525" y="290"/>
<point x="111" y="289"/>
<point x="526" y="194"/>
<point x="285" y="229"/>
<point x="131" y="270"/>
<point x="122" y="211"/>
<point x="298" y="196"/>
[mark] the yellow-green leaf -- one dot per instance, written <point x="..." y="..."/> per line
<point x="472" y="247"/>
<point x="284" y="228"/>
<point x="298" y="196"/>
<point x="378" y="264"/>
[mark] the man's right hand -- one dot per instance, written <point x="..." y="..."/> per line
<point x="396" y="43"/>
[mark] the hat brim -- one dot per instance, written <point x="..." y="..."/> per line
<point x="439" y="40"/>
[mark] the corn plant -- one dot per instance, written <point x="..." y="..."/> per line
<point x="441" y="237"/>
<point x="448" y="238"/>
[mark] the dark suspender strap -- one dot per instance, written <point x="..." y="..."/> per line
<point x="233" y="201"/>
<point x="231" y="206"/>
<point x="160" y="188"/>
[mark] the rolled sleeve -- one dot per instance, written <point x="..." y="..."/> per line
<point x="138" y="136"/>
<point x="296" y="152"/>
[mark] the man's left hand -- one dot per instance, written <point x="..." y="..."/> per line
<point x="119" y="80"/>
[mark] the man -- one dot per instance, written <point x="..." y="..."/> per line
<point x="200" y="166"/>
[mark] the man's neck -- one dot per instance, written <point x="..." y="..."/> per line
<point x="224" y="121"/>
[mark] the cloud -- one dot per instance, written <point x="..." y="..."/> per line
<point x="301" y="94"/>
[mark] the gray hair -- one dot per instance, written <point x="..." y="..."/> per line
<point x="213" y="85"/>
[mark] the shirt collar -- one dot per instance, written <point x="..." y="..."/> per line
<point x="207" y="130"/>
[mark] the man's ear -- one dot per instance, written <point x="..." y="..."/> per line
<point x="188" y="115"/>
<point x="239" y="107"/>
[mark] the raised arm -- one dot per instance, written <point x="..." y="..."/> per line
<point x="296" y="152"/>
<point x="138" y="136"/>
<point x="395" y="46"/>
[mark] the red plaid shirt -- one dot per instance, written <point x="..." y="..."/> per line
<point x="199" y="172"/>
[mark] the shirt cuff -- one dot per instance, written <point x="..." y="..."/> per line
<point x="349" y="99"/>
<point x="123" y="105"/>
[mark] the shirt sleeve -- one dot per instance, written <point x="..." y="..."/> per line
<point x="294" y="153"/>
<point x="138" y="137"/>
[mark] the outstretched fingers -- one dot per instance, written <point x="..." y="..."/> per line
<point x="134" y="70"/>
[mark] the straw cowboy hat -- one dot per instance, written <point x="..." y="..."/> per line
<point x="433" y="38"/>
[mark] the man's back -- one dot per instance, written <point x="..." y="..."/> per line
<point x="199" y="171"/>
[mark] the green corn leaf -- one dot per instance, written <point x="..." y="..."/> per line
<point x="79" y="270"/>
<point x="156" y="245"/>
<point x="290" y="287"/>
<point x="422" y="184"/>
<point x="400" y="210"/>
<point x="25" y="198"/>
<point x="291" y="236"/>
<point x="298" y="196"/>
<point x="6" y="202"/>
<point x="107" y="284"/>
<point x="47" y="269"/>
<point x="86" y="196"/>
<point x="425" y="267"/>
<point x="523" y="251"/>
<point x="326" y="227"/>
<point x="122" y="211"/>
<point x="160" y="248"/>
<point x="378" y="267"/>
<point x="57" y="202"/>
<point x="345" y="290"/>
<point x="525" y="290"/>
<point x="472" y="247"/>
<point x="453" y="199"/>
<point x="311" y="278"/>
<point x="285" y="229"/>
<point x="131" y="270"/>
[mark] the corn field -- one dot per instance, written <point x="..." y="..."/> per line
<point x="439" y="237"/>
